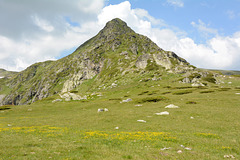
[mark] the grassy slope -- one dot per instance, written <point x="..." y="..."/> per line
<point x="74" y="130"/>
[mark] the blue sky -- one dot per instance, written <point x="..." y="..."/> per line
<point x="220" y="15"/>
<point x="204" y="32"/>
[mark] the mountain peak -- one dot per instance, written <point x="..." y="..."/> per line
<point x="116" y="26"/>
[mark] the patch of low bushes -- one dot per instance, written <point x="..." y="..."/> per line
<point x="208" y="91"/>
<point x="115" y="99"/>
<point x="142" y="93"/>
<point x="5" y="107"/>
<point x="166" y="93"/>
<point x="224" y="89"/>
<point x="151" y="99"/>
<point x="185" y="87"/>
<point x="191" y="102"/>
<point x="182" y="92"/>
<point x="209" y="79"/>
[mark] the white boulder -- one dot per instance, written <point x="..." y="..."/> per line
<point x="162" y="113"/>
<point x="171" y="106"/>
<point x="142" y="121"/>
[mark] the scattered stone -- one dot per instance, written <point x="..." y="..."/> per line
<point x="189" y="149"/>
<point x="179" y="151"/>
<point x="142" y="121"/>
<point x="116" y="127"/>
<point x="186" y="80"/>
<point x="127" y="100"/>
<point x="100" y="110"/>
<point x="138" y="105"/>
<point x="182" y="146"/>
<point x="114" y="84"/>
<point x="103" y="110"/>
<point x="68" y="96"/>
<point x="56" y="100"/>
<point x="162" y="113"/>
<point x="9" y="125"/>
<point x="156" y="79"/>
<point x="229" y="82"/>
<point x="197" y="84"/>
<point x="191" y="117"/>
<point x="237" y="93"/>
<point x="229" y="156"/>
<point x="171" y="106"/>
<point x="165" y="148"/>
<point x="30" y="109"/>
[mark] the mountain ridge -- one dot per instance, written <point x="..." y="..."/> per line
<point x="115" y="51"/>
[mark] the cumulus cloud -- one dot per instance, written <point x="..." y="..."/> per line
<point x="33" y="31"/>
<point x="204" y="29"/>
<point x="46" y="31"/>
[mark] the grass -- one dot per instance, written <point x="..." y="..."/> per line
<point x="206" y="123"/>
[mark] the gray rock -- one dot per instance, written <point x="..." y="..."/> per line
<point x="197" y="84"/>
<point x="1" y="98"/>
<point x="127" y="100"/>
<point x="171" y="106"/>
<point x="56" y="100"/>
<point x="186" y="80"/>
<point x="71" y="96"/>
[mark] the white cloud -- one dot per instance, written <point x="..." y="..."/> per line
<point x="232" y="14"/>
<point x="36" y="31"/>
<point x="176" y="3"/>
<point x="43" y="24"/>
<point x="204" y="29"/>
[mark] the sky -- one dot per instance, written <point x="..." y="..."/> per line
<point x="204" y="32"/>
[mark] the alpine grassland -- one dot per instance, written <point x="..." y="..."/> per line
<point x="205" y="126"/>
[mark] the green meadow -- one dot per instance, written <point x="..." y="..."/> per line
<point x="205" y="126"/>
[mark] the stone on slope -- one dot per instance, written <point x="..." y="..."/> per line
<point x="162" y="113"/>
<point x="171" y="106"/>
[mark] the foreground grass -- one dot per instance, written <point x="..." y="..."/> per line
<point x="206" y="124"/>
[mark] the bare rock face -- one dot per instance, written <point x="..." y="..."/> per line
<point x="1" y="98"/>
<point x="142" y="61"/>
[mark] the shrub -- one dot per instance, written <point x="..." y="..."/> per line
<point x="151" y="99"/>
<point x="209" y="79"/>
<point x="166" y="93"/>
<point x="5" y="107"/>
<point x="142" y="93"/>
<point x="182" y="92"/>
<point x="191" y="102"/>
<point x="208" y="91"/>
<point x="151" y="66"/>
<point x="73" y="91"/>
<point x="224" y="89"/>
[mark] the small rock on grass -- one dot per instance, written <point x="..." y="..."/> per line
<point x="171" y="106"/>
<point x="179" y="151"/>
<point x="142" y="121"/>
<point x="162" y="113"/>
<point x="102" y="110"/>
<point x="229" y="156"/>
<point x="165" y="148"/>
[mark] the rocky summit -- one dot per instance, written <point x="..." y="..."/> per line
<point x="114" y="55"/>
